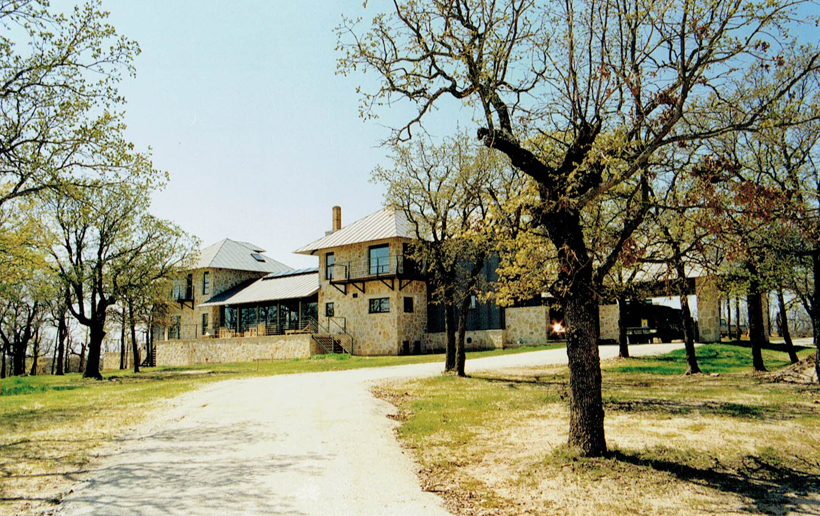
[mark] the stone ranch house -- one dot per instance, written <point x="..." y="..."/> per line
<point x="365" y="297"/>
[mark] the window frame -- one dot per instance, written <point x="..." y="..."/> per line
<point x="330" y="309"/>
<point x="412" y="301"/>
<point x="382" y="306"/>
<point x="206" y="283"/>
<point x="377" y="268"/>
<point x="329" y="266"/>
<point x="205" y="317"/>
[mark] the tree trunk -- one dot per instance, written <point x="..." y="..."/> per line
<point x="134" y="343"/>
<point x="729" y="317"/>
<point x="19" y="358"/>
<point x="755" y="308"/>
<point x="815" y="311"/>
<point x="450" y="330"/>
<point x="737" y="318"/>
<point x="586" y="415"/>
<point x="461" y="357"/>
<point x="123" y="348"/>
<point x="784" y="327"/>
<point x="92" y="364"/>
<point x="35" y="354"/>
<point x="3" y="367"/>
<point x="623" y="339"/>
<point x="689" y="336"/>
<point x="61" y="337"/>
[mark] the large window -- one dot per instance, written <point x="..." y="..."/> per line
<point x="408" y="305"/>
<point x="380" y="305"/>
<point x="206" y="283"/>
<point x="247" y="318"/>
<point x="205" y="323"/>
<point x="329" y="310"/>
<point x="379" y="260"/>
<point x="330" y="261"/>
<point x="173" y="330"/>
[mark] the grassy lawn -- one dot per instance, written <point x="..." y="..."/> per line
<point x="54" y="427"/>
<point x="731" y="443"/>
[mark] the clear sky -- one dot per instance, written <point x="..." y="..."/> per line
<point x="241" y="103"/>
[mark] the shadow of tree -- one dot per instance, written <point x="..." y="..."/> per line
<point x="764" y="486"/>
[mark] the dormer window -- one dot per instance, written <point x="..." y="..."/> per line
<point x="258" y="257"/>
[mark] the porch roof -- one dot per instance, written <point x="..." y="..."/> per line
<point x="273" y="287"/>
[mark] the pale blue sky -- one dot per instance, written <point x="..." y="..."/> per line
<point x="240" y="102"/>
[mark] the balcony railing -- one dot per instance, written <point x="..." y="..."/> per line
<point x="182" y="293"/>
<point x="215" y="331"/>
<point x="380" y="267"/>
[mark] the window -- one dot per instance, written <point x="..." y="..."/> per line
<point x="205" y="323"/>
<point x="329" y="311"/>
<point x="330" y="261"/>
<point x="258" y="257"/>
<point x="173" y="330"/>
<point x="408" y="305"/>
<point x="473" y="302"/>
<point x="379" y="260"/>
<point x="380" y="305"/>
<point x="206" y="283"/>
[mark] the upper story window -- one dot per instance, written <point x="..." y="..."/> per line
<point x="330" y="261"/>
<point x="206" y="283"/>
<point x="408" y="305"/>
<point x="379" y="259"/>
<point x="473" y="302"/>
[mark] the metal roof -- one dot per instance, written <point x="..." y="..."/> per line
<point x="385" y="223"/>
<point x="291" y="286"/>
<point x="230" y="254"/>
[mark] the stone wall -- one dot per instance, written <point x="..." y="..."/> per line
<point x="527" y="325"/>
<point x="245" y="349"/>
<point x="608" y="318"/>
<point x="708" y="309"/>
<point x="373" y="334"/>
<point x="474" y="340"/>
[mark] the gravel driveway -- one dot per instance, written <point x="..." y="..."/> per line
<point x="312" y="444"/>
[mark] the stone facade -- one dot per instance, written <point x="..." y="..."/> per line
<point x="474" y="340"/>
<point x="608" y="321"/>
<point x="708" y="309"/>
<point x="190" y="314"/>
<point x="373" y="333"/>
<point x="246" y="349"/>
<point x="527" y="325"/>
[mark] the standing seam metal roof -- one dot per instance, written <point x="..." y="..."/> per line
<point x="385" y="223"/>
<point x="230" y="254"/>
<point x="269" y="289"/>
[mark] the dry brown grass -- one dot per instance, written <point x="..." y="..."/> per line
<point x="733" y="444"/>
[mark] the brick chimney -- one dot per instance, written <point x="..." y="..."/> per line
<point x="337" y="218"/>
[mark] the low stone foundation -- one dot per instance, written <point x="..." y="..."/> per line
<point x="474" y="340"/>
<point x="244" y="349"/>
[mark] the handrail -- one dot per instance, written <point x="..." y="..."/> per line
<point x="391" y="265"/>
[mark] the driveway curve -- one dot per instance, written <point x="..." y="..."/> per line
<point x="302" y="444"/>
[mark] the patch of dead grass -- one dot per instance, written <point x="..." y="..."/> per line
<point x="733" y="444"/>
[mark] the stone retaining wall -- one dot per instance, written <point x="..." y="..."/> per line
<point x="526" y="325"/>
<point x="245" y="349"/>
<point x="474" y="340"/>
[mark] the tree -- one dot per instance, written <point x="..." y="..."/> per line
<point x="59" y="118"/>
<point x="104" y="236"/>
<point x="22" y="317"/>
<point x="444" y="191"/>
<point x="610" y="83"/>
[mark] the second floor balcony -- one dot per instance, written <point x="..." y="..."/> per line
<point x="374" y="268"/>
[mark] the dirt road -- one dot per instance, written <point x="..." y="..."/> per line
<point x="305" y="444"/>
